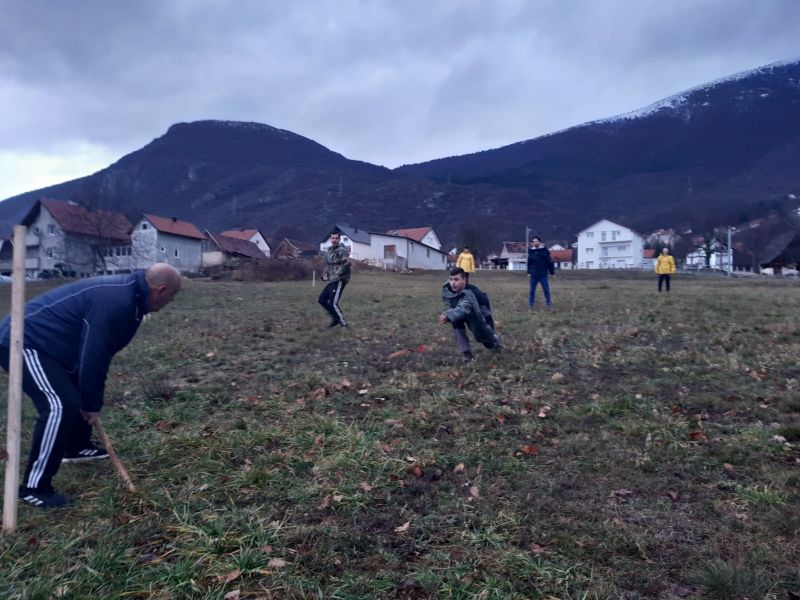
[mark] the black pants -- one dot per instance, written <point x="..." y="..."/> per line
<point x="662" y="279"/>
<point x="59" y="426"/>
<point x="329" y="299"/>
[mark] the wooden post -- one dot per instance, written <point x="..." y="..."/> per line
<point x="14" y="425"/>
<point x="313" y="278"/>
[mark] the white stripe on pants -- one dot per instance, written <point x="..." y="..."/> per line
<point x="336" y="302"/>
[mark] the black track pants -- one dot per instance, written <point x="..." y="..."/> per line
<point x="59" y="426"/>
<point x="329" y="299"/>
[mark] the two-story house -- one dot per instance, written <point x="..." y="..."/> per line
<point x="608" y="245"/>
<point x="72" y="239"/>
<point x="168" y="240"/>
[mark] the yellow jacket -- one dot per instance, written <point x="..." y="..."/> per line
<point x="466" y="261"/>
<point x="665" y="265"/>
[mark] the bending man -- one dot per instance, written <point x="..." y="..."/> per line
<point x="468" y="306"/>
<point x="71" y="335"/>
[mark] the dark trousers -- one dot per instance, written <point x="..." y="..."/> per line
<point x="662" y="279"/>
<point x="329" y="299"/>
<point x="535" y="280"/>
<point x="59" y="426"/>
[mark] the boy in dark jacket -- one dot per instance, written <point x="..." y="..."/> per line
<point x="468" y="306"/>
<point x="71" y="334"/>
<point x="540" y="263"/>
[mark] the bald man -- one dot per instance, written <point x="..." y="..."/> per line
<point x="71" y="335"/>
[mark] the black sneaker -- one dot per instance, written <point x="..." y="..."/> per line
<point x="468" y="357"/>
<point x="47" y="498"/>
<point x="87" y="454"/>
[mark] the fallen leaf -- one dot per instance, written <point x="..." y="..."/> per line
<point x="537" y="549"/>
<point x="319" y="393"/>
<point x="474" y="492"/>
<point x="530" y="449"/>
<point x="422" y="348"/>
<point x="363" y="392"/>
<point x="365" y="486"/>
<point x="415" y="470"/>
<point x="459" y="468"/>
<point x="233" y="595"/>
<point x="276" y="563"/>
<point x="345" y="383"/>
<point x="229" y="577"/>
<point x="500" y="419"/>
<point x="326" y="502"/>
<point x="319" y="439"/>
<point x="338" y="498"/>
<point x="756" y="375"/>
<point x="400" y="353"/>
<point x="672" y="495"/>
<point x="544" y="410"/>
<point x="728" y="467"/>
<point x="403" y="528"/>
<point x="211" y="355"/>
<point x="61" y="591"/>
<point x="623" y="493"/>
<point x="698" y="436"/>
<point x="384" y="446"/>
<point x="557" y="376"/>
<point x="267" y="549"/>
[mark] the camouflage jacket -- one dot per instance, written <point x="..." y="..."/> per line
<point x="337" y="263"/>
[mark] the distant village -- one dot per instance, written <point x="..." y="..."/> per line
<point x="66" y="239"/>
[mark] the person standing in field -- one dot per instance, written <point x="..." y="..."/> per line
<point x="337" y="274"/>
<point x="540" y="264"/>
<point x="71" y="335"/>
<point x="468" y="307"/>
<point x="665" y="267"/>
<point x="466" y="261"/>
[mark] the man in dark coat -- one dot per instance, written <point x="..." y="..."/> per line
<point x="71" y="335"/>
<point x="540" y="263"/>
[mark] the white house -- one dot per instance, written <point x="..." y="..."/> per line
<point x="514" y="256"/>
<point x="162" y="239"/>
<point x="250" y="235"/>
<point x="392" y="250"/>
<point x="398" y="252"/>
<point x="358" y="240"/>
<point x="423" y="235"/>
<point x="719" y="257"/>
<point x="608" y="245"/>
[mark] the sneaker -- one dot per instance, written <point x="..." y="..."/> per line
<point x="46" y="498"/>
<point x="498" y="345"/>
<point x="468" y="357"/>
<point x="85" y="455"/>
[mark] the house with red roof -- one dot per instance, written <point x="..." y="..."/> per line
<point x="563" y="259"/>
<point x="168" y="240"/>
<point x="219" y="248"/>
<point x="251" y="235"/>
<point x="423" y="235"/>
<point x="66" y="238"/>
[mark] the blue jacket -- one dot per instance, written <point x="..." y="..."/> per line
<point x="540" y="262"/>
<point x="82" y="325"/>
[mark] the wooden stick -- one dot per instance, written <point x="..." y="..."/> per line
<point x="123" y="474"/>
<point x="14" y="424"/>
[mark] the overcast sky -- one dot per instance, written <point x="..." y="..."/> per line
<point x="84" y="82"/>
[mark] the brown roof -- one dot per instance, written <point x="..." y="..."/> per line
<point x="302" y="246"/>
<point x="517" y="247"/>
<point x="649" y="252"/>
<point x="240" y="234"/>
<point x="175" y="227"/>
<point x="414" y="233"/>
<point x="79" y="219"/>
<point x="561" y="255"/>
<point x="232" y="245"/>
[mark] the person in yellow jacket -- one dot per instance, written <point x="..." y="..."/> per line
<point x="665" y="267"/>
<point x="466" y="261"/>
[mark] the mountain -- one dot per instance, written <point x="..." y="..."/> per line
<point x="714" y="153"/>
<point x="226" y="174"/>
<point x="711" y="152"/>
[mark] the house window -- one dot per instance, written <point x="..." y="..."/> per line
<point x="589" y="250"/>
<point x="605" y="250"/>
<point x="176" y="253"/>
<point x="51" y="230"/>
<point x="602" y="236"/>
<point x="428" y="255"/>
<point x="590" y="234"/>
<point x="622" y="248"/>
<point x="163" y="250"/>
<point x="144" y="226"/>
<point x="130" y="250"/>
<point x="49" y="252"/>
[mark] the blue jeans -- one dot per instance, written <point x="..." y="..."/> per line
<point x="535" y="280"/>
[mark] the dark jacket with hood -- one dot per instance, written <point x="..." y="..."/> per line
<point x="82" y="325"/>
<point x="469" y="307"/>
<point x="540" y="263"/>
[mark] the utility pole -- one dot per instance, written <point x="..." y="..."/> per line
<point x="730" y="252"/>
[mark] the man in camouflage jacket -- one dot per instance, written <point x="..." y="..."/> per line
<point x="337" y="274"/>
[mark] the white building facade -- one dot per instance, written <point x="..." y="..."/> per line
<point x="608" y="245"/>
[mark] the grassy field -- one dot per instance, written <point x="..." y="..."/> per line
<point x="625" y="445"/>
